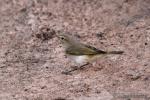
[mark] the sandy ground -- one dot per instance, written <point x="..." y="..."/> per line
<point x="32" y="58"/>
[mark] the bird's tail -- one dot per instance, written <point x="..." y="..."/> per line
<point x="115" y="52"/>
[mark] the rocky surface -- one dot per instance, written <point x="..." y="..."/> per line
<point x="32" y="58"/>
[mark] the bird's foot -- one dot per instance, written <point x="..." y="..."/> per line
<point x="82" y="67"/>
<point x="68" y="72"/>
<point x="74" y="68"/>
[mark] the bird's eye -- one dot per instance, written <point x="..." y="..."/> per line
<point x="62" y="38"/>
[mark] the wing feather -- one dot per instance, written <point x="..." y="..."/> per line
<point x="83" y="50"/>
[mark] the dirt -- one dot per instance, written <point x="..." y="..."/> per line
<point x="32" y="58"/>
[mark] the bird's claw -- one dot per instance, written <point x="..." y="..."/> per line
<point x="66" y="72"/>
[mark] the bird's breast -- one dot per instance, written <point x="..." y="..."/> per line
<point x="83" y="59"/>
<point x="79" y="59"/>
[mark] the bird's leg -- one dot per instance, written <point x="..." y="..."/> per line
<point x="82" y="66"/>
<point x="68" y="72"/>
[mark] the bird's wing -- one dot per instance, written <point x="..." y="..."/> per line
<point x="83" y="50"/>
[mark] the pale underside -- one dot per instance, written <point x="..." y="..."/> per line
<point x="83" y="59"/>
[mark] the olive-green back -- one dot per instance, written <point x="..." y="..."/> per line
<point x="82" y="49"/>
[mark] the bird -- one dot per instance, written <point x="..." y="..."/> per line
<point x="79" y="53"/>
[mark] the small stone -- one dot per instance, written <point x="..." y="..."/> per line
<point x="146" y="43"/>
<point x="25" y="89"/>
<point x="100" y="34"/>
<point x="59" y="98"/>
<point x="126" y="1"/>
<point x="145" y="64"/>
<point x="146" y="78"/>
<point x="133" y="75"/>
<point x="45" y="34"/>
<point x="23" y="10"/>
<point x="131" y="35"/>
<point x="43" y="87"/>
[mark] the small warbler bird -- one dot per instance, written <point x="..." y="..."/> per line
<point x="80" y="53"/>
